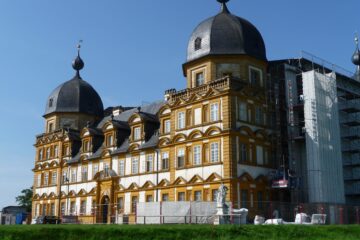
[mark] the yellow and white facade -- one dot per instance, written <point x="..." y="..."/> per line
<point x="216" y="131"/>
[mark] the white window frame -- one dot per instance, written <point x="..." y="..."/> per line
<point x="214" y="112"/>
<point x="121" y="167"/>
<point x="243" y="111"/>
<point x="95" y="169"/>
<point x="137" y="133"/>
<point x="46" y="179"/>
<point x="149" y="163"/>
<point x="73" y="175"/>
<point x="197" y="155"/>
<point x="165" y="161"/>
<point x="135" y="165"/>
<point x="53" y="178"/>
<point x="84" y="174"/>
<point x="180" y="153"/>
<point x="167" y="126"/>
<point x="260" y="73"/>
<point x="214" y="152"/>
<point x="181" y="120"/>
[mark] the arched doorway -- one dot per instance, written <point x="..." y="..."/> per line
<point x="105" y="209"/>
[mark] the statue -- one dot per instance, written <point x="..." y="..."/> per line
<point x="221" y="195"/>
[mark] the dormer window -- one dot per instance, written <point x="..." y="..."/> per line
<point x="199" y="79"/>
<point x="51" y="102"/>
<point x="255" y="77"/>
<point x="197" y="44"/>
<point x="137" y="133"/>
<point x="109" y="141"/>
<point x="86" y="146"/>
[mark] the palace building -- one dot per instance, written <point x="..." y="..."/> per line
<point x="225" y="127"/>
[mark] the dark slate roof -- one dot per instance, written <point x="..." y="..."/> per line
<point x="75" y="159"/>
<point x="95" y="155"/>
<point x="123" y="148"/>
<point x="151" y="109"/>
<point x="226" y="34"/>
<point x="75" y="96"/>
<point x="153" y="141"/>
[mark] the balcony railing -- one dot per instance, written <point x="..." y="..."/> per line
<point x="221" y="84"/>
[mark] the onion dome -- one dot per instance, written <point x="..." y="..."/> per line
<point x="225" y="34"/>
<point x="75" y="95"/>
<point x="356" y="59"/>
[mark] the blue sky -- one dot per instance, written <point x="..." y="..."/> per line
<point x="133" y="51"/>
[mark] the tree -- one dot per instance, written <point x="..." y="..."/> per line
<point x="25" y="198"/>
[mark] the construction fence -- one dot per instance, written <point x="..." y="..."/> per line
<point x="205" y="213"/>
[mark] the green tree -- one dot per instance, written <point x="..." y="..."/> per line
<point x="25" y="198"/>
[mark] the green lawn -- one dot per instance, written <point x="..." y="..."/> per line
<point x="109" y="232"/>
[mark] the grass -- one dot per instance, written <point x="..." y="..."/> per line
<point x="144" y="232"/>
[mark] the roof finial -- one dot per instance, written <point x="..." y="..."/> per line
<point x="78" y="63"/>
<point x="224" y="8"/>
<point x="356" y="57"/>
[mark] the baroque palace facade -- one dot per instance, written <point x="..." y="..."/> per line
<point x="92" y="162"/>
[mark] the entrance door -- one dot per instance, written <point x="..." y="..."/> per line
<point x="105" y="209"/>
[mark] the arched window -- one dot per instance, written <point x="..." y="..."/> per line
<point x="197" y="44"/>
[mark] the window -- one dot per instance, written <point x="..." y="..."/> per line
<point x="51" y="127"/>
<point x="66" y="151"/>
<point x="120" y="204"/>
<point x="165" y="161"/>
<point x="197" y="44"/>
<point x="181" y="158"/>
<point x="244" y="198"/>
<point x="56" y="151"/>
<point x="73" y="175"/>
<point x="109" y="140"/>
<point x="62" y="207"/>
<point x="134" y="165"/>
<point x="243" y="153"/>
<point x="72" y="208"/>
<point x="255" y="77"/>
<point x="266" y="157"/>
<point x="243" y="111"/>
<point x="189" y="117"/>
<point x="214" y="112"/>
<point x="51" y="100"/>
<point x="258" y="116"/>
<point x="197" y="196"/>
<point x="149" y="163"/>
<point x="214" y="195"/>
<point x="149" y="198"/>
<point x="181" y="196"/>
<point x="38" y="182"/>
<point x="259" y="155"/>
<point x="53" y="178"/>
<point x="64" y="178"/>
<point x="48" y="153"/>
<point x="205" y="113"/>
<point x="134" y="201"/>
<point x="95" y="169"/>
<point x="41" y="154"/>
<point x="106" y="169"/>
<point x="83" y="207"/>
<point x="86" y="146"/>
<point x="197" y="155"/>
<point x="199" y="79"/>
<point x="52" y="209"/>
<point x="181" y="120"/>
<point x="165" y="197"/>
<point x="46" y="179"/>
<point x="84" y="174"/>
<point x="137" y="133"/>
<point x="214" y="152"/>
<point x="197" y="116"/>
<point x="167" y="126"/>
<point x="121" y="167"/>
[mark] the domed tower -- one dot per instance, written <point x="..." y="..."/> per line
<point x="74" y="103"/>
<point x="356" y="59"/>
<point x="224" y="44"/>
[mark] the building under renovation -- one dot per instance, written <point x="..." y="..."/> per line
<point x="269" y="131"/>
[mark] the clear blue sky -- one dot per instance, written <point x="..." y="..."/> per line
<point x="133" y="51"/>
